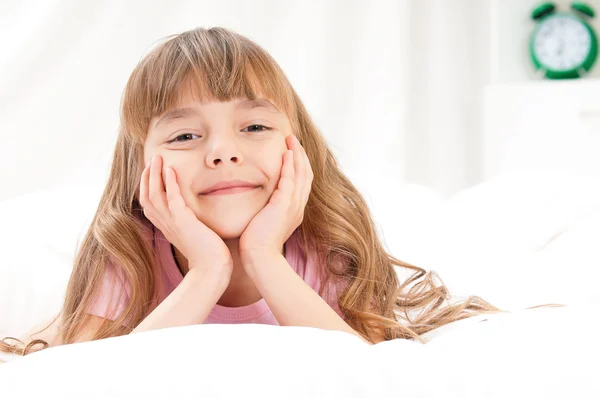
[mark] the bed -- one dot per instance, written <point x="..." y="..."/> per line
<point x="517" y="240"/>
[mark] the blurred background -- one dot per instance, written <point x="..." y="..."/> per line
<point x="430" y="92"/>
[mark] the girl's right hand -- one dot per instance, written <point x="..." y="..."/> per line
<point x="164" y="206"/>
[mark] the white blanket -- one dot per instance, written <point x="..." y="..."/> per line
<point x="548" y="352"/>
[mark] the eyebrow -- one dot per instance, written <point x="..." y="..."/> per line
<point x="258" y="103"/>
<point x="174" y="114"/>
<point x="183" y="113"/>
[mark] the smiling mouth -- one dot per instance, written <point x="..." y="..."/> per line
<point x="230" y="191"/>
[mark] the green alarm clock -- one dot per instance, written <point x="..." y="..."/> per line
<point x="563" y="45"/>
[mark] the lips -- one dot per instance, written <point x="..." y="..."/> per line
<point x="225" y="187"/>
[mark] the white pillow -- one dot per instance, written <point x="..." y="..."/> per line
<point x="523" y="209"/>
<point x="404" y="213"/>
<point x="506" y="240"/>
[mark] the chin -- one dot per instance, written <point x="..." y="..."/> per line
<point x="229" y="219"/>
<point x="229" y="232"/>
<point x="229" y="227"/>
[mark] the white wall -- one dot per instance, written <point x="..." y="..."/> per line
<point x="542" y="125"/>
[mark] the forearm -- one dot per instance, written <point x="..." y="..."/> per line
<point x="292" y="301"/>
<point x="189" y="304"/>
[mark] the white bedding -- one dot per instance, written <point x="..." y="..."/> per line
<point x="517" y="241"/>
<point x="550" y="352"/>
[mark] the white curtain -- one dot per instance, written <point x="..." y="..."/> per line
<point x="395" y="86"/>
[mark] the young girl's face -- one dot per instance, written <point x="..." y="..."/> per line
<point x="239" y="143"/>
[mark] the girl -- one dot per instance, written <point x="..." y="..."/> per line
<point x="225" y="205"/>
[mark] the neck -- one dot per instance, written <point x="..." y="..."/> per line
<point x="241" y="290"/>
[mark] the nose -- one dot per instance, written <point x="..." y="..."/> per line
<point x="223" y="150"/>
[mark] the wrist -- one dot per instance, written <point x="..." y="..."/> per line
<point x="219" y="279"/>
<point x="255" y="259"/>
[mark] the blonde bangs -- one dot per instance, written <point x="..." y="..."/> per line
<point x="213" y="66"/>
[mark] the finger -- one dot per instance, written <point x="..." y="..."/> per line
<point x="299" y="170"/>
<point x="285" y="187"/>
<point x="177" y="206"/>
<point x="299" y="175"/>
<point x="309" y="179"/>
<point x="305" y="182"/>
<point x="156" y="191"/>
<point x="174" y="198"/>
<point x="144" y="200"/>
<point x="288" y="172"/>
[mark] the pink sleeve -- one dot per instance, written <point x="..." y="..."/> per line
<point x="112" y="295"/>
<point x="331" y="292"/>
<point x="113" y="292"/>
<point x="331" y="296"/>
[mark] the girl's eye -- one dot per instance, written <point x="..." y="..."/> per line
<point x="265" y="128"/>
<point x="184" y="137"/>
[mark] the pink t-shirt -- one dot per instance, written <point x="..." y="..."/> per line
<point x="115" y="292"/>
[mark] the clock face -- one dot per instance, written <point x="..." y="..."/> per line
<point x="562" y="43"/>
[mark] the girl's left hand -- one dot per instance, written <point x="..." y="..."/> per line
<point x="272" y="226"/>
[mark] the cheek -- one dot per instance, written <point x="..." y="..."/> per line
<point x="271" y="165"/>
<point x="184" y="173"/>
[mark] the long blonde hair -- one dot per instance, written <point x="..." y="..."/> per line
<point x="221" y="65"/>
